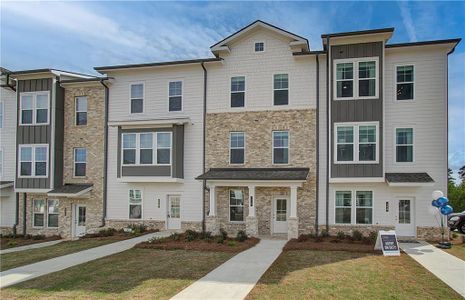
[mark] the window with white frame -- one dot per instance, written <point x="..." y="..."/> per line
<point x="364" y="207"/>
<point x="52" y="213"/>
<point x="348" y="212"/>
<point x="343" y="207"/>
<point x="236" y="206"/>
<point x="404" y="145"/>
<point x="38" y="213"/>
<point x="80" y="162"/>
<point x="238" y="91"/>
<point x="405" y="82"/>
<point x="137" y="98"/>
<point x="175" y="96"/>
<point x="356" y="78"/>
<point x="34" y="108"/>
<point x="33" y="160"/>
<point x="356" y="143"/>
<point x="1" y="114"/>
<point x="280" y="147"/>
<point x="236" y="148"/>
<point x="163" y="148"/>
<point x="146" y="148"/>
<point x="129" y="148"/>
<point x="280" y="89"/>
<point x="81" y="110"/>
<point x="135" y="204"/>
<point x="259" y="46"/>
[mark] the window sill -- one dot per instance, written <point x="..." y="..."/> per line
<point x="356" y="162"/>
<point x="160" y="179"/>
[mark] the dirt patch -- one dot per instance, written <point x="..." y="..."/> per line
<point x="330" y="244"/>
<point x="12" y="242"/>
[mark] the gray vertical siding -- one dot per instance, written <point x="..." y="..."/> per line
<point x="178" y="151"/>
<point x="59" y="134"/>
<point x="358" y="110"/>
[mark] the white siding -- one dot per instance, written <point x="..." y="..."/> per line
<point x="7" y="207"/>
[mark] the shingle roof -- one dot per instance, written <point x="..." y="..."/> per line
<point x="255" y="174"/>
<point x="4" y="184"/>
<point x="71" y="188"/>
<point x="408" y="177"/>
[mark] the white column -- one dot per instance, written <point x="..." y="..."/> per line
<point x="293" y="209"/>
<point x="252" y="201"/>
<point x="212" y="212"/>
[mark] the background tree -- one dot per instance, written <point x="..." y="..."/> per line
<point x="462" y="173"/>
<point x="455" y="191"/>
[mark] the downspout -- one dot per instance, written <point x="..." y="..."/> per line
<point x="24" y="213"/>
<point x="204" y="182"/>
<point x="328" y="133"/>
<point x="16" y="215"/>
<point x="105" y="151"/>
<point x="317" y="142"/>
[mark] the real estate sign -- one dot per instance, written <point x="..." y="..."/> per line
<point x="387" y="241"/>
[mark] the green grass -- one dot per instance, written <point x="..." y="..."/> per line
<point x="309" y="274"/>
<point x="457" y="250"/>
<point x="135" y="273"/>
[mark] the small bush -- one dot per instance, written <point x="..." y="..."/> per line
<point x="220" y="239"/>
<point x="318" y="239"/>
<point x="191" y="235"/>
<point x="175" y="236"/>
<point x="340" y="235"/>
<point x="357" y="235"/>
<point x="205" y="235"/>
<point x="454" y="235"/>
<point x="303" y="238"/>
<point x="372" y="236"/>
<point x="223" y="233"/>
<point x="138" y="228"/>
<point x="38" y="237"/>
<point x="324" y="233"/>
<point x="241" y="236"/>
<point x="12" y="244"/>
<point x="155" y="240"/>
<point x="232" y="243"/>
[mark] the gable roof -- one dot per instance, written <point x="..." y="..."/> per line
<point x="258" y="23"/>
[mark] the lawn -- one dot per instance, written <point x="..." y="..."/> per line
<point x="457" y="250"/>
<point x="307" y="274"/>
<point x="135" y="273"/>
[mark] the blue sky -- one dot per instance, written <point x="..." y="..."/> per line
<point x="78" y="36"/>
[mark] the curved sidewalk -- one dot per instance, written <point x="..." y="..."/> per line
<point x="29" y="247"/>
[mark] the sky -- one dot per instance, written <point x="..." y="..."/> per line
<point x="78" y="36"/>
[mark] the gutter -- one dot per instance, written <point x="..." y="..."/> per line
<point x="204" y="116"/>
<point x="105" y="151"/>
<point x="328" y="132"/>
<point x="24" y="213"/>
<point x="16" y="215"/>
<point x="317" y="181"/>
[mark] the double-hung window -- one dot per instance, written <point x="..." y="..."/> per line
<point x="146" y="148"/>
<point x="236" y="148"/>
<point x="34" y="108"/>
<point x="343" y="207"/>
<point x="404" y="145"/>
<point x="280" y="147"/>
<point x="238" y="91"/>
<point x="33" y="160"/>
<point x="163" y="148"/>
<point x="137" y="98"/>
<point x="80" y="162"/>
<point x="81" y="110"/>
<point x="345" y="80"/>
<point x="38" y="213"/>
<point x="135" y="204"/>
<point x="236" y="206"/>
<point x="364" y="207"/>
<point x="52" y="213"/>
<point x="356" y="78"/>
<point x="129" y="148"/>
<point x="281" y="89"/>
<point x="356" y="143"/>
<point x="405" y="83"/>
<point x="348" y="212"/>
<point x="175" y="96"/>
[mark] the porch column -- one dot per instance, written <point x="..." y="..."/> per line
<point x="251" y="201"/>
<point x="293" y="209"/>
<point x="212" y="211"/>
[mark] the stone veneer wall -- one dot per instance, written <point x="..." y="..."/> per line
<point x="348" y="229"/>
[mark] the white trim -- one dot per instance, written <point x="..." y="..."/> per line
<point x="410" y="184"/>
<point x="34" y="213"/>
<point x="230" y="147"/>
<point x="76" y="111"/>
<point x="168" y="122"/>
<point x="274" y="89"/>
<point x="154" y="148"/>
<point x="353" y="206"/>
<point x="154" y="179"/>
<point x="5" y="185"/>
<point x="182" y="95"/>
<point x="400" y="163"/>
<point x="256" y="183"/>
<point x="356" y="142"/>
<point x="336" y="206"/>
<point x="231" y="92"/>
<point x="414" y="83"/>
<point x="256" y="42"/>
<point x="355" y="68"/>
<point x="412" y="212"/>
<point x="74" y="162"/>
<point x="75" y="195"/>
<point x="35" y="191"/>
<point x="356" y="179"/>
<point x="53" y="130"/>
<point x="131" y="98"/>
<point x="48" y="213"/>
<point x="243" y="206"/>
<point x="141" y="203"/>
<point x="34" y="108"/>
<point x="33" y="161"/>
<point x="288" y="147"/>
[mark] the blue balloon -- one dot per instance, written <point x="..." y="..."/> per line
<point x="442" y="201"/>
<point x="446" y="209"/>
<point x="435" y="203"/>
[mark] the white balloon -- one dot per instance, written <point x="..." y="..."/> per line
<point x="433" y="210"/>
<point x="437" y="194"/>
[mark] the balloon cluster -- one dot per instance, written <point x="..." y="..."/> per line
<point x="442" y="203"/>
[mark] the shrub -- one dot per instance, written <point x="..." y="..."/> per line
<point x="232" y="243"/>
<point x="372" y="236"/>
<point x="318" y="239"/>
<point x="206" y="235"/>
<point x="241" y="236"/>
<point x="357" y="235"/>
<point x="220" y="239"/>
<point x="106" y="232"/>
<point x="38" y="237"/>
<point x="155" y="240"/>
<point x="12" y="243"/>
<point x="223" y="233"/>
<point x="324" y="233"/>
<point x="340" y="235"/>
<point x="175" y="236"/>
<point x="191" y="235"/>
<point x="138" y="228"/>
<point x="303" y="238"/>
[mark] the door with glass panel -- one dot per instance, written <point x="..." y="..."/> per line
<point x="79" y="220"/>
<point x="280" y="214"/>
<point x="174" y="212"/>
<point x="405" y="225"/>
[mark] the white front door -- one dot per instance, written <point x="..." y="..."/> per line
<point x="174" y="212"/>
<point x="405" y="225"/>
<point x="79" y="220"/>
<point x="280" y="214"/>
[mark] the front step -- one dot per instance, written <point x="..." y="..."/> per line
<point x="275" y="236"/>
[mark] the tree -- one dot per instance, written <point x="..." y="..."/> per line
<point x="450" y="177"/>
<point x="462" y="173"/>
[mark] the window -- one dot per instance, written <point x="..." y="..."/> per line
<point x="175" y="96"/>
<point x="280" y="147"/>
<point x="343" y="207"/>
<point x="356" y="78"/>
<point x="34" y="108"/>
<point x="38" y="218"/>
<point x="237" y="91"/>
<point x="33" y="160"/>
<point x="129" y="148"/>
<point x="137" y="98"/>
<point x="163" y="148"/>
<point x="364" y="207"/>
<point x="259" y="47"/>
<point x="237" y="148"/>
<point x="236" y="206"/>
<point x="81" y="110"/>
<point x="146" y="148"/>
<point x="1" y="114"/>
<point x="405" y="83"/>
<point x="356" y="143"/>
<point x="280" y="89"/>
<point x="52" y="220"/>
<point x="138" y="148"/>
<point x="80" y="161"/>
<point x="135" y="204"/>
<point x="404" y="144"/>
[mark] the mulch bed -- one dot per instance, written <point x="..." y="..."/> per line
<point x="330" y="244"/>
<point x="11" y="242"/>
<point x="116" y="235"/>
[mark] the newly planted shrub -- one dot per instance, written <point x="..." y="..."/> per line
<point x="324" y="233"/>
<point x="223" y="233"/>
<point x="220" y="239"/>
<point x="206" y="235"/>
<point x="175" y="236"/>
<point x="38" y="237"/>
<point x="191" y="235"/>
<point x="303" y="238"/>
<point x="232" y="243"/>
<point x="357" y="235"/>
<point x="372" y="236"/>
<point x="241" y="236"/>
<point x="340" y="235"/>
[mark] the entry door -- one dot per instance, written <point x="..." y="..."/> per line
<point x="280" y="214"/>
<point x="174" y="212"/>
<point x="80" y="220"/>
<point x="405" y="225"/>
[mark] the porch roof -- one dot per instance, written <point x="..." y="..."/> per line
<point x="408" y="179"/>
<point x="284" y="174"/>
<point x="71" y="190"/>
<point x="5" y="184"/>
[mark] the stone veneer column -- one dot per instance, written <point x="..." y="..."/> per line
<point x="251" y="222"/>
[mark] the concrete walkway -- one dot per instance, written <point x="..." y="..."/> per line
<point x="20" y="274"/>
<point x="31" y="246"/>
<point x="235" y="278"/>
<point x="446" y="267"/>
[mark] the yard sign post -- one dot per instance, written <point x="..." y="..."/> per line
<point x="387" y="241"/>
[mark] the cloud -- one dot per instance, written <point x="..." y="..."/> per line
<point x="407" y="20"/>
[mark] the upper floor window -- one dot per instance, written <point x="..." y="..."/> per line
<point x="238" y="91"/>
<point x="404" y="144"/>
<point x="138" y="148"/>
<point x="356" y="78"/>
<point x="259" y="47"/>
<point x="34" y="108"/>
<point x="175" y="96"/>
<point x="33" y="160"/>
<point x="237" y="148"/>
<point x="81" y="110"/>
<point x="405" y="83"/>
<point x="280" y="147"/>
<point x="356" y="143"/>
<point x="137" y="98"/>
<point x="280" y="89"/>
<point x="80" y="162"/>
